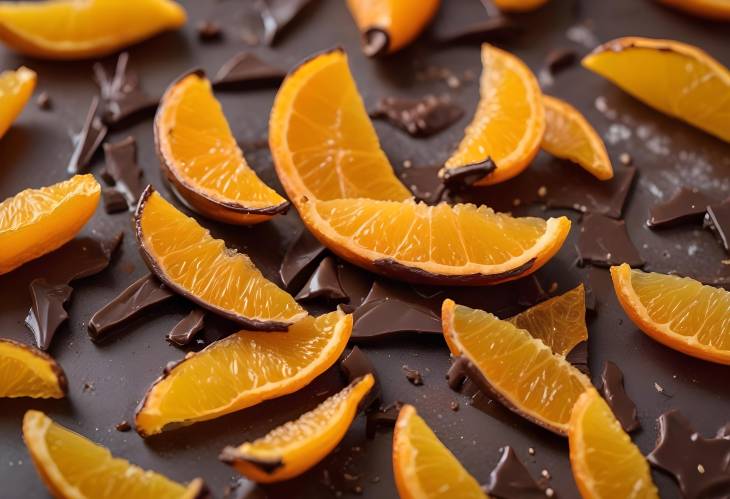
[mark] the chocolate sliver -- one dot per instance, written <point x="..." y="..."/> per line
<point x="717" y="220"/>
<point x="324" y="283"/>
<point x="466" y="176"/>
<point x="185" y="330"/>
<point x="300" y="259"/>
<point x="424" y="182"/>
<point x="47" y="310"/>
<point x="614" y="392"/>
<point x="88" y="140"/>
<point x="355" y="282"/>
<point x="114" y="201"/>
<point x="230" y="455"/>
<point x="121" y="95"/>
<point x="209" y="31"/>
<point x="123" y="170"/>
<point x="531" y="292"/>
<point x="375" y="42"/>
<point x="578" y="357"/>
<point x="355" y="365"/>
<point x="384" y="417"/>
<point x="686" y="206"/>
<point x="277" y="15"/>
<point x="605" y="242"/>
<point x="511" y="480"/>
<point x="493" y="28"/>
<point x="244" y="489"/>
<point x="246" y="69"/>
<point x="418" y="117"/>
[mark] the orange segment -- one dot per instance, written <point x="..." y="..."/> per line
<point x="200" y="157"/>
<point x="76" y="29"/>
<point x="16" y="87"/>
<point x="679" y="312"/>
<point x="322" y="141"/>
<point x="72" y="466"/>
<point x="675" y="78"/>
<point x="526" y="375"/>
<point x="710" y="9"/>
<point x="186" y="258"/>
<point x="568" y="135"/>
<point x="295" y="447"/>
<point x="243" y="370"/>
<point x="510" y="119"/>
<point x="423" y="467"/>
<point x="606" y="464"/>
<point x="37" y="221"/>
<point x="28" y="372"/>
<point x="519" y="5"/>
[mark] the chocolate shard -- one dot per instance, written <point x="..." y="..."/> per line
<point x="88" y="140"/>
<point x="413" y="376"/>
<point x="355" y="282"/>
<point x="356" y="365"/>
<point x="114" y="201"/>
<point x="244" y="489"/>
<point x="209" y="31"/>
<point x="122" y="169"/>
<point x="578" y="357"/>
<point x="47" y="310"/>
<point x="418" y="117"/>
<point x="463" y="177"/>
<point x="185" y="330"/>
<point x="375" y="42"/>
<point x="686" y="206"/>
<point x="556" y="60"/>
<point x="618" y="400"/>
<point x="300" y="259"/>
<point x="43" y="101"/>
<point x="277" y="15"/>
<point x="511" y="480"/>
<point x="247" y="70"/>
<point x="700" y="465"/>
<point x="324" y="283"/>
<point x="493" y="28"/>
<point x="605" y="242"/>
<point x="383" y="417"/>
<point x="717" y="220"/>
<point x="121" y="95"/>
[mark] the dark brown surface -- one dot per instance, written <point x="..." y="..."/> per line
<point x="247" y="70"/>
<point x="604" y="242"/>
<point x="418" y="117"/>
<point x="122" y="169"/>
<point x="718" y="221"/>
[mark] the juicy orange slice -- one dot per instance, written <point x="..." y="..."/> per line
<point x="200" y="157"/>
<point x="37" y="221"/>
<point x="526" y="375"/>
<point x="710" y="9"/>
<point x="323" y="142"/>
<point x="434" y="244"/>
<point x="568" y="135"/>
<point x="74" y="467"/>
<point x="77" y="29"/>
<point x="606" y="464"/>
<point x="29" y="372"/>
<point x="423" y="467"/>
<point x="510" y="119"/>
<point x="675" y="78"/>
<point x="679" y="312"/>
<point x="16" y="87"/>
<point x="243" y="370"/>
<point x="293" y="448"/>
<point x="519" y="5"/>
<point x="185" y="257"/>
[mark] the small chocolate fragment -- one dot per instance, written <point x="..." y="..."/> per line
<point x="466" y="176"/>
<point x="300" y="259"/>
<point x="556" y="60"/>
<point x="375" y="42"/>
<point x="185" y="330"/>
<point x="356" y="365"/>
<point x="122" y="169"/>
<point x="384" y="417"/>
<point x="511" y="480"/>
<point x="717" y="220"/>
<point x="413" y="375"/>
<point x="605" y="242"/>
<point x="277" y="14"/>
<point x="324" y="283"/>
<point x="614" y="392"/>
<point x="687" y="205"/>
<point x="123" y="426"/>
<point x="424" y="182"/>
<point x="43" y="101"/>
<point x="247" y="70"/>
<point x="244" y="489"/>
<point x="494" y="28"/>
<point x="419" y="117"/>
<point x="121" y="95"/>
<point x="578" y="357"/>
<point x="47" y="310"/>
<point x="114" y="201"/>
<point x="209" y="31"/>
<point x="88" y="140"/>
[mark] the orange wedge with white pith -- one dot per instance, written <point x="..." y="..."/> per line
<point x="519" y="5"/>
<point x="679" y="312"/>
<point x="16" y="88"/>
<point x="295" y="447"/>
<point x="716" y="10"/>
<point x="28" y="372"/>
<point x="509" y="122"/>
<point x="675" y="78"/>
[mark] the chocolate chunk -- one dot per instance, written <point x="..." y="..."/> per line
<point x="247" y="70"/>
<point x="121" y="95"/>
<point x="300" y="259"/>
<point x="122" y="169"/>
<point x="578" y="357"/>
<point x="605" y="242"/>
<point x="277" y="15"/>
<point x="466" y="176"/>
<point x="384" y="417"/>
<point x="700" y="465"/>
<point x="424" y="182"/>
<point x="123" y="426"/>
<point x="687" y="205"/>
<point x="114" y="200"/>
<point x="618" y="400"/>
<point x="511" y="480"/>
<point x="582" y="193"/>
<point x="375" y="42"/>
<point x="88" y="140"/>
<point x="413" y="375"/>
<point x="244" y="489"/>
<point x="209" y="31"/>
<point x="356" y="284"/>
<point x="531" y="292"/>
<point x="43" y="101"/>
<point x="555" y="61"/>
<point x="185" y="330"/>
<point x="717" y="220"/>
<point x="82" y="257"/>
<point x="494" y="28"/>
<point x="47" y="310"/>
<point x="356" y="365"/>
<point x="419" y="117"/>
<point x="324" y="283"/>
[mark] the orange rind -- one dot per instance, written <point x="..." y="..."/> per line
<point x="28" y="372"/>
<point x="16" y="88"/>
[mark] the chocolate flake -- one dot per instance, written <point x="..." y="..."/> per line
<point x="556" y="60"/>
<point x="300" y="259"/>
<point x="413" y="375"/>
<point x="123" y="426"/>
<point x="43" y="101"/>
<point x="356" y="365"/>
<point x="185" y="330"/>
<point x="114" y="201"/>
<point x="419" y="117"/>
<point x="209" y="31"/>
<point x="47" y="310"/>
<point x="121" y="95"/>
<point x="578" y="357"/>
<point x="618" y="400"/>
<point x="375" y="42"/>
<point x="247" y="70"/>
<point x="466" y="176"/>
<point x="424" y="182"/>
<point x="511" y="480"/>
<point x="122" y="169"/>
<point x="324" y="283"/>
<point x="454" y="405"/>
<point x="605" y="242"/>
<point x="88" y="140"/>
<point x="717" y="220"/>
<point x="277" y="15"/>
<point x="493" y="28"/>
<point x="384" y="417"/>
<point x="686" y="206"/>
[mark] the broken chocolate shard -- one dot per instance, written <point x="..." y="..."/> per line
<point x="123" y="426"/>
<point x="413" y="376"/>
<point x="355" y="282"/>
<point x="511" y="480"/>
<point x="605" y="242"/>
<point x="123" y="170"/>
<point x="578" y="357"/>
<point x="375" y="42"/>
<point x="88" y="140"/>
<point x="463" y="177"/>
<point x="424" y="182"/>
<point x="384" y="417"/>
<point x="560" y="58"/>
<point x="686" y="206"/>
<point x="717" y="220"/>
<point x="247" y="70"/>
<point x="356" y="365"/>
<point x="121" y="95"/>
<point x="277" y="15"/>
<point x="185" y="330"/>
<point x="419" y="117"/>
<point x="494" y="28"/>
<point x="81" y="257"/>
<point x="531" y="292"/>
<point x="114" y="201"/>
<point x="618" y="400"/>
<point x="300" y="259"/>
<point x="244" y="489"/>
<point x="324" y="283"/>
<point x="47" y="310"/>
<point x="209" y="31"/>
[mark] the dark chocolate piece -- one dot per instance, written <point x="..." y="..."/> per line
<point x="44" y="101"/>
<point x="582" y="193"/>
<point x="324" y="283"/>
<point x="209" y="31"/>
<point x="419" y="117"/>
<point x="556" y="60"/>
<point x="578" y="357"/>
<point x="123" y="170"/>
<point x="114" y="201"/>
<point x="123" y="426"/>
<point x="244" y="489"/>
<point x="493" y="28"/>
<point x="355" y="365"/>
<point x="121" y="95"/>
<point x="375" y="42"/>
<point x="605" y="242"/>
<point x="618" y="400"/>
<point x="717" y="220"/>
<point x="277" y="14"/>
<point x="300" y="259"/>
<point x="511" y="480"/>
<point x="47" y="310"/>
<point x="700" y="465"/>
<point x="687" y="205"/>
<point x="466" y="176"/>
<point x="88" y="140"/>
<point x="413" y="375"/>
<point x="247" y="70"/>
<point x="531" y="292"/>
<point x="384" y="417"/>
<point x="185" y="330"/>
<point x="424" y="182"/>
<point x="355" y="282"/>
<point x="230" y="456"/>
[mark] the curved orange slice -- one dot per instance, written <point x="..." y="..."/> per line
<point x="16" y="87"/>
<point x="434" y="244"/>
<point x="423" y="467"/>
<point x="718" y="10"/>
<point x="521" y="370"/>
<point x="322" y="141"/>
<point x="28" y="372"/>
<point x="201" y="159"/>
<point x="74" y="467"/>
<point x="186" y="258"/>
<point x="243" y="370"/>
<point x="606" y="464"/>
<point x="77" y="29"/>
<point x="519" y="5"/>
<point x="293" y="448"/>
<point x="389" y="25"/>
<point x="675" y="78"/>
<point x="568" y="135"/>
<point x="510" y="119"/>
<point x="37" y="221"/>
<point x="679" y="312"/>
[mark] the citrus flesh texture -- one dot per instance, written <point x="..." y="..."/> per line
<point x="16" y="87"/>
<point x="28" y="372"/>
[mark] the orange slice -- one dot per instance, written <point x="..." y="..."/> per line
<point x="37" y="221"/>
<point x="72" y="466"/>
<point x="519" y="5"/>
<point x="29" y="372"/>
<point x="77" y="29"/>
<point x="434" y="244"/>
<point x="201" y="159"/>
<point x="322" y="141"/>
<point x="675" y="78"/>
<point x="243" y="370"/>
<point x="718" y="10"/>
<point x="423" y="467"/>
<point x="568" y="135"/>
<point x="510" y="119"/>
<point x="16" y="87"/>
<point x="606" y="464"/>
<point x="186" y="258"/>
<point x="679" y="312"/>
<point x="521" y="370"/>
<point x="295" y="447"/>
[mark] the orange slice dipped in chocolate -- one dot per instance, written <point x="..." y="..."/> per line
<point x="519" y="5"/>
<point x="510" y="363"/>
<point x="675" y="78"/>
<point x="37" y="221"/>
<point x="186" y="258"/>
<point x="78" y="29"/>
<point x="718" y="10"/>
<point x="201" y="159"/>
<point x="389" y="25"/>
<point x="423" y="467"/>
<point x="509" y="122"/>
<point x="295" y="447"/>
<point x="71" y="466"/>
<point x="677" y="311"/>
<point x="28" y="372"/>
<point x="322" y="141"/>
<point x="243" y="370"/>
<point x="16" y="87"/>
<point x="425" y="244"/>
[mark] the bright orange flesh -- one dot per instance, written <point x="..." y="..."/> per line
<point x="26" y="371"/>
<point x="35" y="222"/>
<point x="16" y="88"/>
<point x="679" y="312"/>
<point x="243" y="370"/>
<point x="519" y="5"/>
<point x="718" y="10"/>
<point x="606" y="464"/>
<point x="299" y="445"/>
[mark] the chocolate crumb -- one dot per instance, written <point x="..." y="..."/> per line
<point x="413" y="375"/>
<point x="454" y="405"/>
<point x="114" y="201"/>
<point x="625" y="159"/>
<point x="123" y="426"/>
<point x="384" y="417"/>
<point x="209" y="31"/>
<point x="44" y="101"/>
<point x="531" y="451"/>
<point x="87" y="387"/>
<point x="545" y="474"/>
